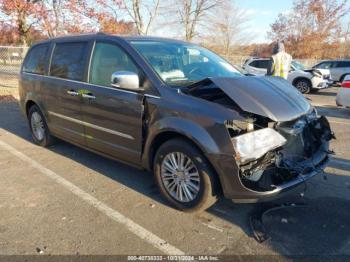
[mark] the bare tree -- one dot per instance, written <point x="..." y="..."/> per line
<point x="193" y="13"/>
<point x="51" y="14"/>
<point x="142" y="13"/>
<point x="346" y="39"/>
<point x="228" y="26"/>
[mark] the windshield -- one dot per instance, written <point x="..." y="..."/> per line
<point x="297" y="65"/>
<point x="181" y="63"/>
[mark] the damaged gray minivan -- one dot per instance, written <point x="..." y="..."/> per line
<point x="177" y="109"/>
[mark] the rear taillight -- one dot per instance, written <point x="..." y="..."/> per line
<point x="346" y="84"/>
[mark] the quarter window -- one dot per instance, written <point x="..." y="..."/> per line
<point x="68" y="61"/>
<point x="35" y="62"/>
<point x="263" y="64"/>
<point x="107" y="59"/>
<point x="343" y="64"/>
<point x="325" y="65"/>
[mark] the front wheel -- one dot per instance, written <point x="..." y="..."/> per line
<point x="303" y="85"/>
<point x="184" y="176"/>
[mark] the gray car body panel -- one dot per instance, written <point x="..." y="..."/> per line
<point x="272" y="97"/>
<point x="159" y="110"/>
<point x="337" y="73"/>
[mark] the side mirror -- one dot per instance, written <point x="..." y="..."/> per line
<point x="126" y="80"/>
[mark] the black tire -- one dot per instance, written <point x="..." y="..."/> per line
<point x="303" y="85"/>
<point x="208" y="183"/>
<point x="47" y="139"/>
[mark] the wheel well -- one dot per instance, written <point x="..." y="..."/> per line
<point x="302" y="78"/>
<point x="29" y="104"/>
<point x="341" y="79"/>
<point x="166" y="136"/>
<point x="161" y="139"/>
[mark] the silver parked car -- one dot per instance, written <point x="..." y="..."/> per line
<point x="338" y="68"/>
<point x="303" y="79"/>
<point x="343" y="96"/>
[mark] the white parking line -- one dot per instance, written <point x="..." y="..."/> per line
<point x="133" y="227"/>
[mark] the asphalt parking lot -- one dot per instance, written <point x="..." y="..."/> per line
<point x="66" y="200"/>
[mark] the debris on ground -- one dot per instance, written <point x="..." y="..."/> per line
<point x="258" y="229"/>
<point x="256" y="222"/>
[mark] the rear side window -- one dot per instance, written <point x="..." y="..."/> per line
<point x="35" y="61"/>
<point x="260" y="64"/>
<point x="343" y="64"/>
<point x="325" y="65"/>
<point x="68" y="61"/>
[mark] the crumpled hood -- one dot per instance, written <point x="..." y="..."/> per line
<point x="272" y="97"/>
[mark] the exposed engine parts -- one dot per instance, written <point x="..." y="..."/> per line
<point x="306" y="149"/>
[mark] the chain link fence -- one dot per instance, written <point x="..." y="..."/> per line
<point x="11" y="58"/>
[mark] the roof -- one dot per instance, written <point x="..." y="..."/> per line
<point x="94" y="35"/>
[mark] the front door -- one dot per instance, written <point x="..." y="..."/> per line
<point x="112" y="116"/>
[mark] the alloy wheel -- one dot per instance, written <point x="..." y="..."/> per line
<point x="302" y="86"/>
<point x="180" y="177"/>
<point x="37" y="125"/>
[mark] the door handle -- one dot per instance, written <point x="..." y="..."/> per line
<point x="89" y="96"/>
<point x="72" y="93"/>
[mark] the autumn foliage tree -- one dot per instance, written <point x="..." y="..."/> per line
<point x="21" y="14"/>
<point x="312" y="29"/>
<point x="100" y="15"/>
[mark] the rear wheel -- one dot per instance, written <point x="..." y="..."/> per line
<point x="38" y="127"/>
<point x="184" y="176"/>
<point x="303" y="85"/>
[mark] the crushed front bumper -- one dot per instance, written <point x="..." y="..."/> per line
<point x="234" y="189"/>
<point x="294" y="172"/>
<point x="294" y="185"/>
<point x="319" y="83"/>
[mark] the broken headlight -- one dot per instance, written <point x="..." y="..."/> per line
<point x="254" y="145"/>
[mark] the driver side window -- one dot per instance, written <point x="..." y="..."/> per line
<point x="108" y="58"/>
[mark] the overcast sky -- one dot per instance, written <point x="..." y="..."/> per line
<point x="262" y="13"/>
